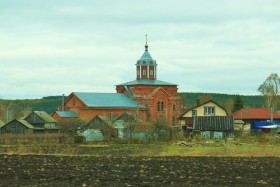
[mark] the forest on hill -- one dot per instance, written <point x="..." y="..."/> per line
<point x="10" y="109"/>
<point x="189" y="99"/>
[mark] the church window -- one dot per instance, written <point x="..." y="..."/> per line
<point x="162" y="106"/>
<point x="158" y="106"/>
<point x="151" y="72"/>
<point x="144" y="72"/>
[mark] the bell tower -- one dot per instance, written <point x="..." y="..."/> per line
<point x="146" y="67"/>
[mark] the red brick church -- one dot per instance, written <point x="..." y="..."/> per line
<point x="150" y="98"/>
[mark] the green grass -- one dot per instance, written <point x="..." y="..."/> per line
<point x="216" y="149"/>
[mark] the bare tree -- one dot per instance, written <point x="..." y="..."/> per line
<point x="270" y="90"/>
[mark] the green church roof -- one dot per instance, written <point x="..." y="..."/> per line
<point x="146" y="58"/>
<point x="107" y="100"/>
<point x="147" y="82"/>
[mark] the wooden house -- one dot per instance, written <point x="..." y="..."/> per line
<point x="100" y="124"/>
<point x="125" y="124"/>
<point x="214" y="126"/>
<point x="17" y="126"/>
<point x="42" y="122"/>
<point x="208" y="108"/>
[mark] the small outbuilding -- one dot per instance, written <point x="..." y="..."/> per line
<point x="214" y="126"/>
<point x="99" y="124"/>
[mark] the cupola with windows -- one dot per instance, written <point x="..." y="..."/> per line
<point x="146" y="67"/>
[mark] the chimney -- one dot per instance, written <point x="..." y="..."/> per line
<point x="62" y="106"/>
<point x="197" y="102"/>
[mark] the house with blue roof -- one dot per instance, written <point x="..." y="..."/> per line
<point x="147" y="97"/>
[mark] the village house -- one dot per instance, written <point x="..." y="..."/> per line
<point x="35" y="122"/>
<point x="208" y="108"/>
<point x="98" y="129"/>
<point x="250" y="115"/>
<point x="149" y="98"/>
<point x="17" y="126"/>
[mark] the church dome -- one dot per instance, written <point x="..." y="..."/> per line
<point x="146" y="58"/>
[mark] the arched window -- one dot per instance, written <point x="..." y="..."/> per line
<point x="162" y="106"/>
<point x="151" y="72"/>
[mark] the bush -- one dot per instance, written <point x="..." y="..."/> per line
<point x="181" y="136"/>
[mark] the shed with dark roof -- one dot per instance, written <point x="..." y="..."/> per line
<point x="214" y="126"/>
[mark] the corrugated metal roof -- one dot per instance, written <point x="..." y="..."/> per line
<point x="67" y="114"/>
<point x="213" y="123"/>
<point x="147" y="82"/>
<point x="45" y="116"/>
<point x="107" y="100"/>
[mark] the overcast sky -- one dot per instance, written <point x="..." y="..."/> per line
<point x="57" y="47"/>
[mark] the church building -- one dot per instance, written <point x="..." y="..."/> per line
<point x="151" y="99"/>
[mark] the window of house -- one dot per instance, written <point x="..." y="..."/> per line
<point x="194" y="113"/>
<point x="174" y="107"/>
<point x="209" y="110"/>
<point x="151" y="72"/>
<point x="144" y="72"/>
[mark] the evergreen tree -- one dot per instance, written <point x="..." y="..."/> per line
<point x="238" y="104"/>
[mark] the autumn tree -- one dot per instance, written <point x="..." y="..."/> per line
<point x="229" y="105"/>
<point x="270" y="90"/>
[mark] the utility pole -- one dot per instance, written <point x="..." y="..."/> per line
<point x="7" y="114"/>
<point x="271" y="114"/>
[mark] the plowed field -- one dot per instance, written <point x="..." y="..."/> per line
<point x="32" y="170"/>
